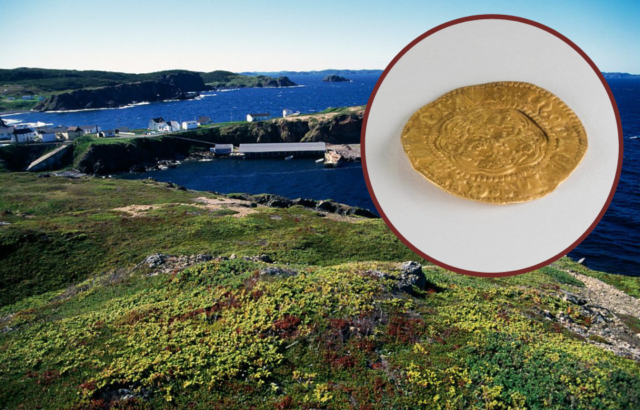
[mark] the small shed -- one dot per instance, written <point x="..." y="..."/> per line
<point x="189" y="125"/>
<point x="222" y="149"/>
<point x="202" y="120"/>
<point x="258" y="117"/>
<point x="107" y="133"/>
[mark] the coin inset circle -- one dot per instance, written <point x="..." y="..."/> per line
<point x="499" y="143"/>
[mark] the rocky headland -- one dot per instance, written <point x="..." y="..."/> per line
<point x="172" y="86"/>
<point x="169" y="87"/>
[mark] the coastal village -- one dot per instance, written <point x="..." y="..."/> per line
<point x="43" y="133"/>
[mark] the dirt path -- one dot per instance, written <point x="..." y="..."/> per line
<point x="242" y="208"/>
<point x="608" y="296"/>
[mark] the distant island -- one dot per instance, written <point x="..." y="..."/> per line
<point x="313" y="72"/>
<point x="620" y="75"/>
<point x="48" y="89"/>
<point x="335" y="79"/>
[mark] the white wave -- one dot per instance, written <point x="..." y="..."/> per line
<point x="134" y="105"/>
<point x="9" y="121"/>
<point x="634" y="137"/>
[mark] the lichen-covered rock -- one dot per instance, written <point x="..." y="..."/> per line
<point x="411" y="275"/>
<point x="277" y="271"/>
<point x="155" y="260"/>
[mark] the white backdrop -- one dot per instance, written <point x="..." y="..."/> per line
<point x="466" y="234"/>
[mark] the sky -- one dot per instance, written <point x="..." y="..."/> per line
<point x="145" y="36"/>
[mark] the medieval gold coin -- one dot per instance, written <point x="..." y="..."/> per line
<point x="501" y="143"/>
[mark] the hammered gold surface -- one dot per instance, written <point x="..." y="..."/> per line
<point x="500" y="143"/>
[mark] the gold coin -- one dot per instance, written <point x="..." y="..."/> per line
<point x="501" y="143"/>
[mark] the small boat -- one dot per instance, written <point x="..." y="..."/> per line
<point x="319" y="160"/>
<point x="290" y="157"/>
<point x="332" y="159"/>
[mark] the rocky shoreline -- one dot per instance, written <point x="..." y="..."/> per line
<point x="169" y="87"/>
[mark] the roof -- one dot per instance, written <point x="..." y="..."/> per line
<point x="264" y="114"/>
<point x="51" y="129"/>
<point x="19" y="131"/>
<point x="74" y="129"/>
<point x="158" y="120"/>
<point x="283" y="147"/>
<point x="223" y="146"/>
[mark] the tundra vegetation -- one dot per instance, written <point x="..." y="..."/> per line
<point x="321" y="323"/>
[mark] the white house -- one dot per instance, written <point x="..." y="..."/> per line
<point x="90" y="129"/>
<point x="72" y="133"/>
<point x="170" y="126"/>
<point x="156" y="124"/>
<point x="202" y="120"/>
<point x="258" y="117"/>
<point x="5" y="130"/>
<point x="174" y="126"/>
<point x="22" y="135"/>
<point x="189" y="125"/>
<point x="47" y="135"/>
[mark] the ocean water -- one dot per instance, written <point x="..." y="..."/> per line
<point x="312" y="95"/>
<point x="613" y="246"/>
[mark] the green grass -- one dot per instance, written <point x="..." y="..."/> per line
<point x="78" y="323"/>
<point x="17" y="105"/>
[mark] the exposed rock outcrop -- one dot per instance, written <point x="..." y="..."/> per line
<point x="340" y="129"/>
<point x="277" y="201"/>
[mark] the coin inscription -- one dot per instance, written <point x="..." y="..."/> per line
<point x="501" y="143"/>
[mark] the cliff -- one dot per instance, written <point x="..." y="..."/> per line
<point x="113" y="96"/>
<point x="342" y="128"/>
<point x="108" y="158"/>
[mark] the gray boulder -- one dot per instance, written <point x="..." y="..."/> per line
<point x="411" y="275"/>
<point x="277" y="271"/>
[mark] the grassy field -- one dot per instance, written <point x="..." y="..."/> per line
<point x="84" y="326"/>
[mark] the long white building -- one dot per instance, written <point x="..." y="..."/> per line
<point x="283" y="149"/>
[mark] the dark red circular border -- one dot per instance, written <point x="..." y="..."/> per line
<point x="402" y="53"/>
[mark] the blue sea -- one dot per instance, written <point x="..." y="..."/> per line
<point x="614" y="246"/>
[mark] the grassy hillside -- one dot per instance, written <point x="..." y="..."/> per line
<point x="39" y="81"/>
<point x="84" y="324"/>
